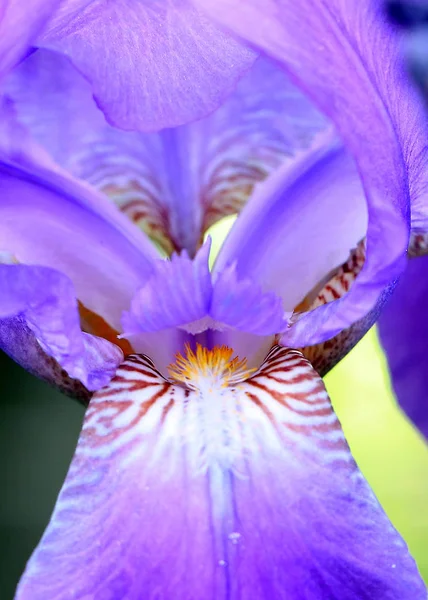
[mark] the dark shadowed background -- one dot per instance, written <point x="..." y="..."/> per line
<point x="38" y="432"/>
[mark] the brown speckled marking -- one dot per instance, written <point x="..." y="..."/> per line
<point x="418" y="244"/>
<point x="326" y="355"/>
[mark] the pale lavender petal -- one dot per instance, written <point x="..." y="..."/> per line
<point x="180" y="293"/>
<point x="20" y="23"/>
<point x="346" y="57"/>
<point x="246" y="492"/>
<point x="45" y="300"/>
<point x="151" y="64"/>
<point x="177" y="293"/>
<point x="299" y="225"/>
<point x="242" y="304"/>
<point x="403" y="329"/>
<point x="179" y="182"/>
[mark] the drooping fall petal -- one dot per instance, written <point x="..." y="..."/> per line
<point x="246" y="491"/>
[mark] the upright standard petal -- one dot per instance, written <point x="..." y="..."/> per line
<point x="177" y="183"/>
<point x="43" y="301"/>
<point x="243" y="491"/>
<point x="298" y="226"/>
<point x="20" y="25"/>
<point x="151" y="64"/>
<point x="346" y="57"/>
<point x="403" y="329"/>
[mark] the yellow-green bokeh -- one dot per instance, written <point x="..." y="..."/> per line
<point x="389" y="451"/>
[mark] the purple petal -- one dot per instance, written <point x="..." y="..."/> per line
<point x="45" y="301"/>
<point x="243" y="493"/>
<point x="297" y="227"/>
<point x="51" y="220"/>
<point x="403" y="328"/>
<point x="20" y="23"/>
<point x="151" y="64"/>
<point x="346" y="57"/>
<point x="179" y="182"/>
<point x="54" y="102"/>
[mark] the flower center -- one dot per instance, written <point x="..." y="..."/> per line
<point x="212" y="368"/>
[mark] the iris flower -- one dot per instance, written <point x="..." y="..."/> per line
<point x="211" y="464"/>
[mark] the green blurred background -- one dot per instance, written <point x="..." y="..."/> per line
<point x="39" y="429"/>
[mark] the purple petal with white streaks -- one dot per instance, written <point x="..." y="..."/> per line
<point x="239" y="493"/>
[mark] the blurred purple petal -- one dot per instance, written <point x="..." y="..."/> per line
<point x="20" y="23"/>
<point x="48" y="219"/>
<point x="408" y="13"/>
<point x="346" y="57"/>
<point x="179" y="182"/>
<point x="298" y="226"/>
<point x="151" y="64"/>
<point x="245" y="492"/>
<point x="403" y="329"/>
<point x="45" y="299"/>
